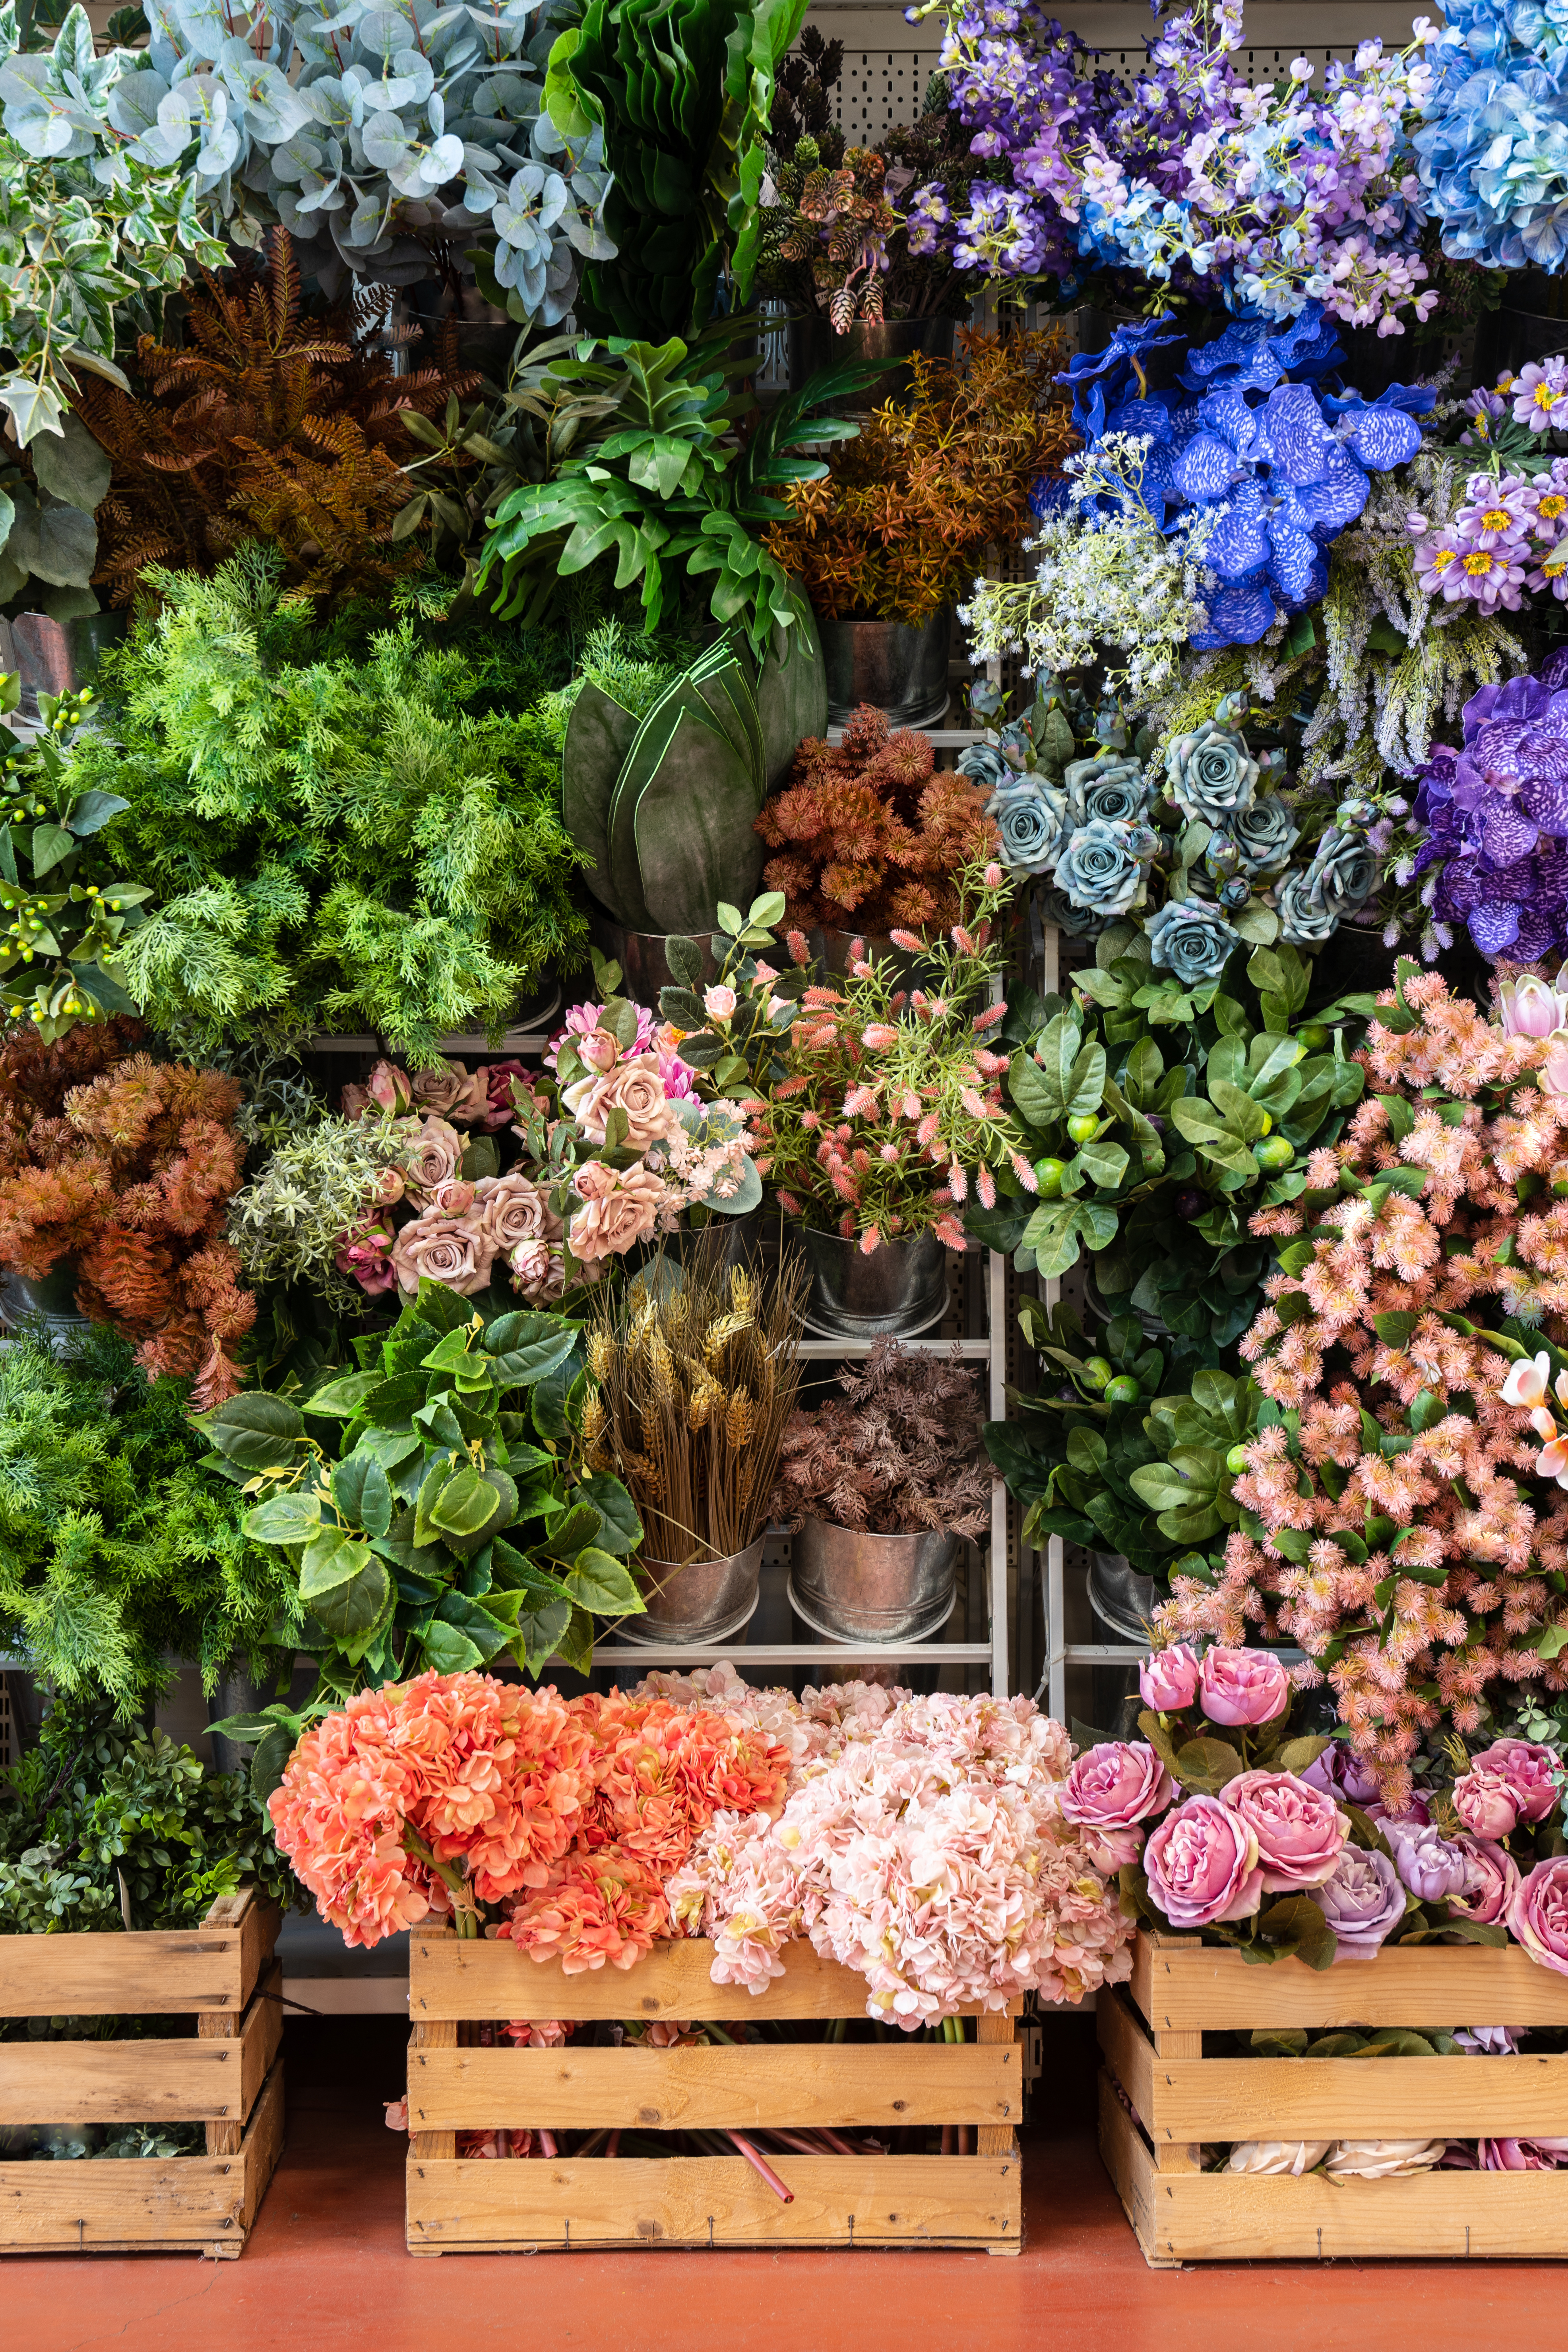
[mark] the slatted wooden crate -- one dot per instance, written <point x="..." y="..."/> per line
<point x="1151" y="2037"/>
<point x="227" y="2075"/>
<point x="474" y="2205"/>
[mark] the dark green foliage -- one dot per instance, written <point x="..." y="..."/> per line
<point x="344" y="833"/>
<point x="116" y="1546"/>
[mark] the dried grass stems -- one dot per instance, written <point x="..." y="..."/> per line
<point x="694" y="1369"/>
<point x="903" y="1454"/>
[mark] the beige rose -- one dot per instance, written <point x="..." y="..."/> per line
<point x="512" y="1210"/>
<point x="433" y="1155"/>
<point x="452" y="1250"/>
<point x="615" y="1216"/>
<point x="1382" y="2159"/>
<point x="634" y="1087"/>
<point x="455" y="1198"/>
<point x="450" y="1091"/>
<point x="1262" y="2155"/>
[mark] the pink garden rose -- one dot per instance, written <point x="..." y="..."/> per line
<point x="433" y="1155"/>
<point x="635" y="1087"/>
<point x="1300" y="1830"/>
<point x="387" y="1090"/>
<point x="620" y="1208"/>
<point x="1202" y="1865"/>
<point x="449" y="1090"/>
<point x="452" y="1250"/>
<point x="1168" y="1680"/>
<point x="1492" y="1880"/>
<point x="1242" y="1686"/>
<point x="1538" y="1913"/>
<point x="1512" y="1781"/>
<point x="1108" y="1793"/>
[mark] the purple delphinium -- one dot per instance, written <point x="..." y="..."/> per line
<point x="1495" y="813"/>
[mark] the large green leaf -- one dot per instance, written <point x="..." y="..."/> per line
<point x="363" y="1492"/>
<point x="258" y="1431"/>
<point x="686" y="816"/>
<point x="467" y="1505"/>
<point x="527" y="1348"/>
<point x="330" y="1560"/>
<point x="620" y="1529"/>
<point x="538" y="1629"/>
<point x="601" y="1584"/>
<point x="599" y="734"/>
<point x="284" y="1519"/>
<point x="792" y="692"/>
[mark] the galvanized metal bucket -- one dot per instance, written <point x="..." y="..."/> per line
<point x="703" y="1601"/>
<point x="856" y="1586"/>
<point x="899" y="1287"/>
<point x="898" y="665"/>
<point x="1122" y="1599"/>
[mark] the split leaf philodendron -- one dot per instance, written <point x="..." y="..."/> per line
<point x="446" y="1528"/>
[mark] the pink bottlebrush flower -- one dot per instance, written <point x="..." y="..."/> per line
<point x="910" y="942"/>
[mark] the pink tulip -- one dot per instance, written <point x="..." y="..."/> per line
<point x="1242" y="1686"/>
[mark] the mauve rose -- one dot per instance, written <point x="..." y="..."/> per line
<point x="1429" y="1866"/>
<point x="1301" y="1832"/>
<point x="615" y="1215"/>
<point x="387" y="1088"/>
<point x="1339" y="1772"/>
<point x="635" y="1087"/>
<point x="1538" y="1913"/>
<point x="1168" y="1679"/>
<point x="1115" y="1786"/>
<point x="539" y="1269"/>
<point x="449" y="1250"/>
<point x="1242" y="1686"/>
<point x="1491" y="1875"/>
<point x="450" y="1090"/>
<point x="455" y="1198"/>
<point x="1202" y="1865"/>
<point x="1364" y="1902"/>
<point x="1415" y="1815"/>
<point x="433" y="1156"/>
<point x="500" y="1108"/>
<point x="1513" y="2156"/>
<point x="1512" y="1781"/>
<point x="367" y="1255"/>
<point x="514" y="1210"/>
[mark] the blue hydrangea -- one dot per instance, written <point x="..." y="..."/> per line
<point x="1493" y="152"/>
<point x="1250" y="429"/>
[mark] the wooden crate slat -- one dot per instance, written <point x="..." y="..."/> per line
<point x="99" y="2204"/>
<point x="190" y="2080"/>
<point x="468" y="2205"/>
<point x="482" y="1979"/>
<point x="806" y="2085"/>
<point x="153" y="1972"/>
<point x="1179" y="1983"/>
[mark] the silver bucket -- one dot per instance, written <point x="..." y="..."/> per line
<point x="900" y="1288"/>
<point x="1120" y="1597"/>
<point x="705" y="1601"/>
<point x="898" y="666"/>
<point x="856" y="1586"/>
<point x="60" y="657"/>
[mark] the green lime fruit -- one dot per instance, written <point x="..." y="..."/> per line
<point x="1085" y="1128"/>
<point x="1049" y="1174"/>
<point x="1315" y="1036"/>
<point x="1235" y="1460"/>
<point x="1274" y="1151"/>
<point x="1099" y="1372"/>
<point x="1122" y="1390"/>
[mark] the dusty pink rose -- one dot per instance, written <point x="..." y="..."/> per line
<point x="367" y="1255"/>
<point x="450" y="1250"/>
<point x="620" y="1210"/>
<point x="598" y="1051"/>
<point x="387" y="1090"/>
<point x="1202" y="1865"/>
<point x="450" y="1090"/>
<point x="389" y="1188"/>
<point x="1242" y="1686"/>
<point x="455" y="1198"/>
<point x="718" y="1002"/>
<point x="500" y="1108"/>
<point x="1168" y="1679"/>
<point x="1512" y="1781"/>
<point x="635" y="1087"/>
<point x="1538" y="1913"/>
<point x="433" y="1156"/>
<point x="514" y="1210"/>
<point x="1301" y="1832"/>
<point x="1115" y="1785"/>
<point x="1492" y="1880"/>
<point x="539" y="1269"/>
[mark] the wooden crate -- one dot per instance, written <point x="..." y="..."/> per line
<point x="228" y="2077"/>
<point x="1151" y="2038"/>
<point x="474" y="2205"/>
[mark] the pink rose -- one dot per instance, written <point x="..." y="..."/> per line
<point x="450" y="1250"/>
<point x="538" y="1270"/>
<point x="387" y="1090"/>
<point x="365" y="1253"/>
<point x="1111" y="1850"/>
<point x="634" y="1087"/>
<point x="433" y="1156"/>
<point x="455" y="1198"/>
<point x="1300" y="1832"/>
<point x="514" y="1210"/>
<point x="1115" y="1785"/>
<point x="1169" y="1679"/>
<point x="598" y="1051"/>
<point x="1512" y="1781"/>
<point x="1202" y="1865"/>
<point x="499" y="1108"/>
<point x="1538" y="1913"/>
<point x="1242" y="1686"/>
<point x="1492" y="1880"/>
<point x="718" y="1002"/>
<point x="619" y="1209"/>
<point x="450" y="1091"/>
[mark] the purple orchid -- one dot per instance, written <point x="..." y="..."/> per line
<point x="1495" y="813"/>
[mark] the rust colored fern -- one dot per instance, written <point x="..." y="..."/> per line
<point x="265" y="424"/>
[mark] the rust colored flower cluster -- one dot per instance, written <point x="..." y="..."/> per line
<point x="897" y="526"/>
<point x="868" y="835"/>
<point x="124" y="1166"/>
<point x="1397" y="1528"/>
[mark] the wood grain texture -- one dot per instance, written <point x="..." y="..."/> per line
<point x="538" y="2206"/>
<point x="1178" y="1983"/>
<point x="997" y="2139"/>
<point x="427" y="2038"/>
<point x="805" y="2085"/>
<point x="190" y="2080"/>
<point x="1355" y="2098"/>
<point x="478" y="1977"/>
<point x="104" y="2204"/>
<point x="1132" y="2171"/>
<point x="151" y="1972"/>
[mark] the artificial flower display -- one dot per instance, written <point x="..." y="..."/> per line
<point x="1492" y="154"/>
<point x="1493" y="815"/>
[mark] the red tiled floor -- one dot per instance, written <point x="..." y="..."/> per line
<point x="326" y="2267"/>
